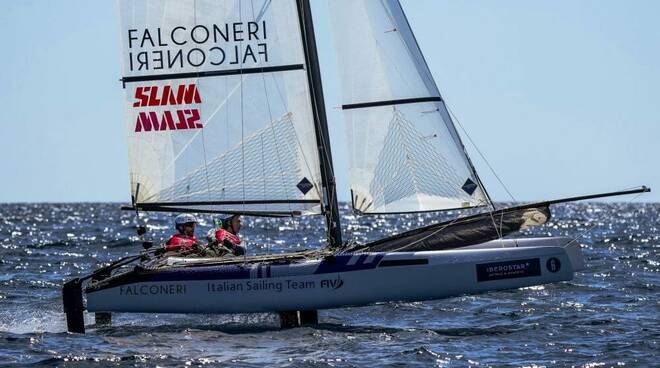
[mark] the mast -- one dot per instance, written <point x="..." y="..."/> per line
<point x="331" y="209"/>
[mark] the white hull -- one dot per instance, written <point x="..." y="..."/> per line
<point x="348" y="280"/>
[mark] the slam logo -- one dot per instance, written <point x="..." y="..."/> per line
<point x="169" y="119"/>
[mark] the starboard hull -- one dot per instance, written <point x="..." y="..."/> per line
<point x="342" y="280"/>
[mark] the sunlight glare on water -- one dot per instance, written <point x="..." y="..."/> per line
<point x="606" y="316"/>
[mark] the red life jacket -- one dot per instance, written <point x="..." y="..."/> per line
<point x="180" y="242"/>
<point x="222" y="234"/>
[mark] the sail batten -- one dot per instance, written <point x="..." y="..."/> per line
<point x="404" y="152"/>
<point x="214" y="73"/>
<point x="363" y="105"/>
<point x="212" y="203"/>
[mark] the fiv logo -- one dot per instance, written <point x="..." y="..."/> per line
<point x="333" y="284"/>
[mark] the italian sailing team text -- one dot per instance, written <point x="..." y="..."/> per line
<point x="183" y="47"/>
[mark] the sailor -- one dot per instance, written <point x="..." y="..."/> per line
<point x="227" y="235"/>
<point x="185" y="240"/>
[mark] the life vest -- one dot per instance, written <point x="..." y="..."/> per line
<point x="221" y="235"/>
<point x="180" y="242"/>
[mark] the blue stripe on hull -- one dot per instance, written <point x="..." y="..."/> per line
<point x="206" y="273"/>
<point x="341" y="263"/>
<point x="333" y="264"/>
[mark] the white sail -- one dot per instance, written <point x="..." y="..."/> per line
<point x="405" y="154"/>
<point x="218" y="109"/>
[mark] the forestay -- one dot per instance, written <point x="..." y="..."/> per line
<point x="218" y="110"/>
<point x="404" y="152"/>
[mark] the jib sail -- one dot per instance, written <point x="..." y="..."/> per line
<point x="218" y="111"/>
<point x="404" y="152"/>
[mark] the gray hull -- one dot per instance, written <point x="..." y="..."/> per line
<point x="342" y="280"/>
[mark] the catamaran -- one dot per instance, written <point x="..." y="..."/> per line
<point x="225" y="114"/>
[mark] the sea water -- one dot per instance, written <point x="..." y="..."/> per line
<point x="607" y="316"/>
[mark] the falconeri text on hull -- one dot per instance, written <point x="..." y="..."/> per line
<point x="225" y="114"/>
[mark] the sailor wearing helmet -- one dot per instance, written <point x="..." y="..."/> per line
<point x="226" y="236"/>
<point x="185" y="240"/>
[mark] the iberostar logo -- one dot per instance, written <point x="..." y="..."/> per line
<point x="150" y="97"/>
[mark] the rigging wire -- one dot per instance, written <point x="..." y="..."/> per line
<point x="483" y="157"/>
<point x="226" y="147"/>
<point x="240" y="17"/>
<point x="270" y="120"/>
<point x="206" y="169"/>
<point x="210" y="120"/>
<point x="261" y="14"/>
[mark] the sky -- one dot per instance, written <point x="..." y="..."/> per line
<point x="561" y="97"/>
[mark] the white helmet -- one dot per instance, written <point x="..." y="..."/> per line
<point x="184" y="218"/>
<point x="210" y="236"/>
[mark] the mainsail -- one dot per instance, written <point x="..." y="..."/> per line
<point x="218" y="107"/>
<point x="404" y="152"/>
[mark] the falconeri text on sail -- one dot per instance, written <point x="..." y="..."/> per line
<point x="178" y="47"/>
